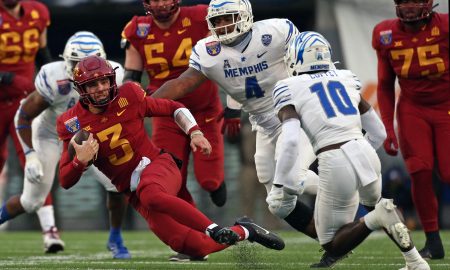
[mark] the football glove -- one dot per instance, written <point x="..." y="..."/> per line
<point x="6" y="77"/>
<point x="391" y="143"/>
<point x="33" y="167"/>
<point x="231" y="125"/>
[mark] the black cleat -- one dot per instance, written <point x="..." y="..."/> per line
<point x="224" y="236"/>
<point x="435" y="253"/>
<point x="219" y="196"/>
<point x="180" y="257"/>
<point x="328" y="261"/>
<point x="260" y="235"/>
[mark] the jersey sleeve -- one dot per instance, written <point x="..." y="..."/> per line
<point x="129" y="32"/>
<point x="288" y="30"/>
<point x="195" y="60"/>
<point x="282" y="96"/>
<point x="44" y="85"/>
<point x="40" y="11"/>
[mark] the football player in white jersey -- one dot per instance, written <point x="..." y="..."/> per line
<point x="35" y="124"/>
<point x="326" y="103"/>
<point x="246" y="60"/>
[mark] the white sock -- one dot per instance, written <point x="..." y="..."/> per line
<point x="210" y="227"/>
<point x="371" y="221"/>
<point x="246" y="232"/>
<point x="46" y="217"/>
<point x="411" y="256"/>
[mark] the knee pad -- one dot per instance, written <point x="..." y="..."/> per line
<point x="370" y="194"/>
<point x="311" y="183"/>
<point x="31" y="205"/>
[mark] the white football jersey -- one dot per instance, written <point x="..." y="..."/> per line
<point x="53" y="84"/>
<point x="248" y="76"/>
<point x="327" y="103"/>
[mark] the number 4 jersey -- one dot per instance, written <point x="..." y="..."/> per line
<point x="327" y="103"/>
<point x="419" y="60"/>
<point x="19" y="38"/>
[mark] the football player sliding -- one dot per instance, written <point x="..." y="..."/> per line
<point x="149" y="176"/>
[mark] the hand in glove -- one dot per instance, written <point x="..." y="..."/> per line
<point x="33" y="167"/>
<point x="231" y="126"/>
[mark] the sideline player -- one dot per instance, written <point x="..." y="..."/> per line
<point x="415" y="49"/>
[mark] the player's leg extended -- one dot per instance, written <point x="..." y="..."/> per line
<point x="416" y="144"/>
<point x="294" y="212"/>
<point x="441" y="125"/>
<point x="116" y="204"/>
<point x="209" y="169"/>
<point x="168" y="136"/>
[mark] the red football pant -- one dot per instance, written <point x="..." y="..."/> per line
<point x="176" y="222"/>
<point x="7" y="112"/>
<point x="424" y="133"/>
<point x="208" y="169"/>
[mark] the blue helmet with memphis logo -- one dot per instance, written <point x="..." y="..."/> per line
<point x="308" y="52"/>
<point x="80" y="45"/>
<point x="241" y="11"/>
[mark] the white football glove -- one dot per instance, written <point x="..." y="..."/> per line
<point x="281" y="202"/>
<point x="33" y="168"/>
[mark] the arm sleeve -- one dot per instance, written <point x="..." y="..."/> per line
<point x="290" y="32"/>
<point x="285" y="170"/>
<point x="281" y="96"/>
<point x="44" y="86"/>
<point x="386" y="91"/>
<point x="375" y="132"/>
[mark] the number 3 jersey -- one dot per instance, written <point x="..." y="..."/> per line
<point x="327" y="103"/>
<point x="53" y="84"/>
<point x="19" y="38"/>
<point x="119" y="131"/>
<point x="420" y="60"/>
<point x="165" y="52"/>
<point x="248" y="74"/>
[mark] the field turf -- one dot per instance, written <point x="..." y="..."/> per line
<point x="86" y="250"/>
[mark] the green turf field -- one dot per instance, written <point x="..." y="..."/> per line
<point x="86" y="250"/>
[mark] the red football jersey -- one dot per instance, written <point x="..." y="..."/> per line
<point x="119" y="131"/>
<point x="19" y="38"/>
<point x="419" y="60"/>
<point x="166" y="52"/>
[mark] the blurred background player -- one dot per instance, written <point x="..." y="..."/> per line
<point x="23" y="39"/>
<point x="119" y="146"/>
<point x="36" y="126"/>
<point x="161" y="43"/>
<point x="415" y="49"/>
<point x="327" y="104"/>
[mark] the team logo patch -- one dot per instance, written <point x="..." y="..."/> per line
<point x="142" y="29"/>
<point x="72" y="125"/>
<point x="213" y="48"/>
<point x="63" y="87"/>
<point x="266" y="39"/>
<point x="386" y="37"/>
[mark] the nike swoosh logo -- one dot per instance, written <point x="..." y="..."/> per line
<point x="181" y="31"/>
<point x="207" y="120"/>
<point x="121" y="112"/>
<point x="260" y="55"/>
<point x="429" y="39"/>
<point x="256" y="225"/>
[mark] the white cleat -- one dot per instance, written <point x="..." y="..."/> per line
<point x="417" y="265"/>
<point x="52" y="241"/>
<point x="388" y="218"/>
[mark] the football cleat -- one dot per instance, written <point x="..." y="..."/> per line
<point x="180" y="257"/>
<point x="328" y="260"/>
<point x="224" y="236"/>
<point x="118" y="250"/>
<point x="52" y="241"/>
<point x="420" y="264"/>
<point x="260" y="235"/>
<point x="433" y="251"/>
<point x="389" y="218"/>
<point x="219" y="196"/>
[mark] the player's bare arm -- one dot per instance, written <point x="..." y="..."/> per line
<point x="30" y="108"/>
<point x="371" y="123"/>
<point x="287" y="112"/>
<point x="187" y="82"/>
